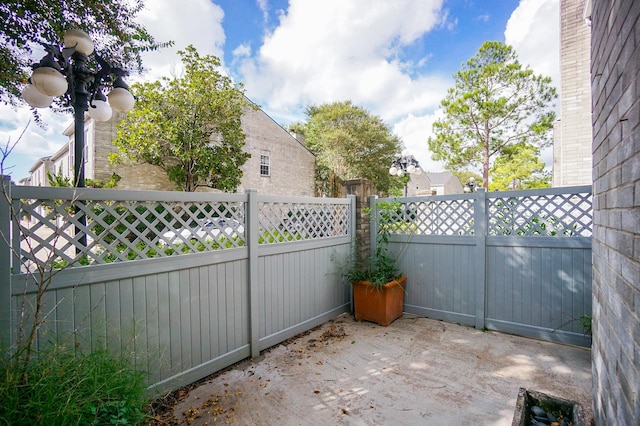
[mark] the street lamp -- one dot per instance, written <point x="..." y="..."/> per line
<point x="405" y="166"/>
<point x="471" y="185"/>
<point x="63" y="72"/>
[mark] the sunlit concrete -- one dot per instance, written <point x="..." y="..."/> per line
<point x="416" y="371"/>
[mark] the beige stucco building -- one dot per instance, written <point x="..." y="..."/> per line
<point x="279" y="163"/>
<point x="572" y="133"/>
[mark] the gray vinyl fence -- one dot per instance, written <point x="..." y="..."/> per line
<point x="193" y="282"/>
<point x="188" y="282"/>
<point x="517" y="262"/>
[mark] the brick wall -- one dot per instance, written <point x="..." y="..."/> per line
<point x="291" y="165"/>
<point x="572" y="134"/>
<point x="362" y="189"/>
<point x="291" y="173"/>
<point x="615" y="72"/>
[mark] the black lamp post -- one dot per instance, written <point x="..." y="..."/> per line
<point x="64" y="72"/>
<point x="405" y="166"/>
<point x="471" y="185"/>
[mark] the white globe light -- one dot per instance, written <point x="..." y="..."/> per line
<point x="49" y="81"/>
<point x="121" y="99"/>
<point x="34" y="97"/>
<point x="411" y="168"/>
<point x="100" y="111"/>
<point x="393" y="170"/>
<point x="80" y="40"/>
<point x="417" y="171"/>
<point x="400" y="173"/>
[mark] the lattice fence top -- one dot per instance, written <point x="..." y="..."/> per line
<point x="565" y="215"/>
<point x="282" y="221"/>
<point x="430" y="217"/>
<point x="66" y="232"/>
<point x="78" y="232"/>
<point x="525" y="213"/>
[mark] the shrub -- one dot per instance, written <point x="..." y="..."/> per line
<point x="60" y="387"/>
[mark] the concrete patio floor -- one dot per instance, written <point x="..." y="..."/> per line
<point x="416" y="371"/>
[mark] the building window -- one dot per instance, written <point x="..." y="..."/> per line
<point x="265" y="165"/>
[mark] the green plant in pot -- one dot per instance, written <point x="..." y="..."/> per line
<point x="378" y="285"/>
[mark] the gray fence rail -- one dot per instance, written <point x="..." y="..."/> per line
<point x="517" y="262"/>
<point x="188" y="282"/>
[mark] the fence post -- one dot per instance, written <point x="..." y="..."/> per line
<point x="5" y="263"/>
<point x="480" y="255"/>
<point x="252" y="247"/>
<point x="373" y="226"/>
<point x="353" y="223"/>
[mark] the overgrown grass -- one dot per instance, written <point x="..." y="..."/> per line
<point x="60" y="387"/>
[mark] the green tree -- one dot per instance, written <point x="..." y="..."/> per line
<point x="494" y="104"/>
<point x="349" y="143"/>
<point x="25" y="24"/>
<point x="189" y="126"/>
<point x="519" y="167"/>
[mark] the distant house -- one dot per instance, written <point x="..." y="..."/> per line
<point x="418" y="185"/>
<point x="279" y="163"/>
<point x="444" y="183"/>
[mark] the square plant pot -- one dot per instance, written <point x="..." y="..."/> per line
<point x="380" y="305"/>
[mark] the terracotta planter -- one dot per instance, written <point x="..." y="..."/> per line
<point x="380" y="305"/>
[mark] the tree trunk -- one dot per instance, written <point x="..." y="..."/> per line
<point x="485" y="158"/>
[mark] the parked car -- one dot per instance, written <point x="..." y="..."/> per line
<point x="212" y="228"/>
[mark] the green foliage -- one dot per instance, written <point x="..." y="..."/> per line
<point x="189" y="126"/>
<point x="349" y="143"/>
<point x="381" y="268"/>
<point x="519" y="167"/>
<point x="278" y="236"/>
<point x="586" y="322"/>
<point x="495" y="103"/>
<point x="26" y="24"/>
<point x="111" y="183"/>
<point x="59" y="180"/>
<point x="60" y="387"/>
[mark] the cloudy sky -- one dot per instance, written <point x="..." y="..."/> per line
<point x="395" y="58"/>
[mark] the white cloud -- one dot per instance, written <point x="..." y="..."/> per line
<point x="243" y="50"/>
<point x="414" y="132"/>
<point x="195" y="22"/>
<point x="534" y="31"/>
<point x="333" y="51"/>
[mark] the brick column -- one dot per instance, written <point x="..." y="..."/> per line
<point x="362" y="189"/>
